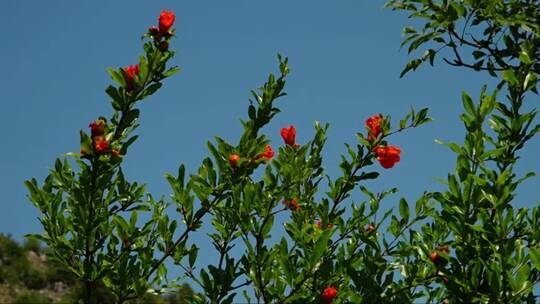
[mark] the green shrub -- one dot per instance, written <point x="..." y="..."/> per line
<point x="57" y="273"/>
<point x="32" y="298"/>
<point x="32" y="244"/>
<point x="34" y="279"/>
<point x="13" y="261"/>
<point x="76" y="294"/>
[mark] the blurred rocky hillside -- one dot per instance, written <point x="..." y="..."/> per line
<point x="28" y="276"/>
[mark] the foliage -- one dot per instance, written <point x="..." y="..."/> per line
<point x="32" y="297"/>
<point x="16" y="268"/>
<point x="33" y="245"/>
<point x="12" y="259"/>
<point x="90" y="216"/>
<point x="21" y="274"/>
<point x="300" y="236"/>
<point x="493" y="36"/>
<point x="494" y="242"/>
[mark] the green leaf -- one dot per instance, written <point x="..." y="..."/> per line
<point x="409" y="30"/>
<point x="37" y="237"/>
<point x="404" y="209"/>
<point x="113" y="93"/>
<point x="510" y="77"/>
<point x="320" y="248"/>
<point x="171" y="71"/>
<point x="468" y="104"/>
<point x="421" y="117"/>
<point x="460" y="9"/>
<point x="493" y="154"/>
<point x="524" y="57"/>
<point x="152" y="88"/>
<point x="530" y="81"/>
<point x="368" y="175"/>
<point x="534" y="254"/>
<point x="412" y="65"/>
<point x="193" y="255"/>
<point x="117" y="76"/>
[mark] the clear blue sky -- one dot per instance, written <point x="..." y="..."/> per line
<point x="345" y="63"/>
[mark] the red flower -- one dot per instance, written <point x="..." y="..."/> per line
<point x="437" y="259"/>
<point x="268" y="153"/>
<point x="233" y="160"/>
<point x="387" y="156"/>
<point x="328" y="294"/>
<point x="100" y="144"/>
<point x="373" y="124"/>
<point x="129" y="73"/>
<point x="319" y="225"/>
<point x="115" y="153"/>
<point x="370" y="228"/>
<point x="291" y="205"/>
<point x="434" y="257"/>
<point x="97" y="127"/>
<point x="166" y="20"/>
<point x="289" y="136"/>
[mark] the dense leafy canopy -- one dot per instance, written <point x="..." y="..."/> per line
<point x="468" y="244"/>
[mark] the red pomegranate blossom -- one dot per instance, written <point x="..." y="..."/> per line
<point x="289" y="136"/>
<point x="268" y="153"/>
<point x="100" y="144"/>
<point x="97" y="127"/>
<point x="291" y="205"/>
<point x="115" y="153"/>
<point x="166" y="20"/>
<point x="387" y="156"/>
<point x="319" y="225"/>
<point x="233" y="160"/>
<point x="328" y="294"/>
<point x="373" y="124"/>
<point x="129" y="73"/>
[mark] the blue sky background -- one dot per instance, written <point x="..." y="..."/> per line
<point x="345" y="64"/>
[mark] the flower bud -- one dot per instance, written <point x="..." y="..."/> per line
<point x="129" y="74"/>
<point x="115" y="153"/>
<point x="97" y="127"/>
<point x="291" y="205"/>
<point x="154" y="30"/>
<point x="328" y="295"/>
<point x="166" y="20"/>
<point x="289" y="136"/>
<point x="233" y="160"/>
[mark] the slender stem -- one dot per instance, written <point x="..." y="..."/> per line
<point x="258" y="248"/>
<point x="182" y="237"/>
<point x="88" y="260"/>
<point x="134" y="97"/>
